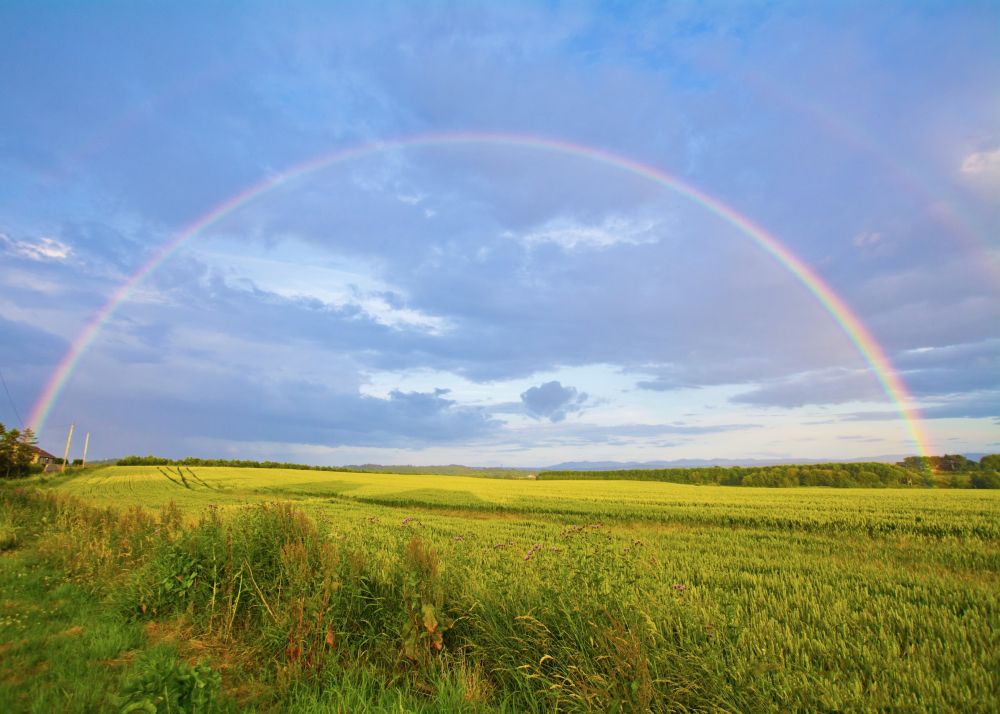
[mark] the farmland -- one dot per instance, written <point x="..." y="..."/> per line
<point x="361" y="591"/>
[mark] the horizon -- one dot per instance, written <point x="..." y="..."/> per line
<point x="692" y="463"/>
<point x="503" y="236"/>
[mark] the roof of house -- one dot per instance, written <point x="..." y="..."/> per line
<point x="43" y="453"/>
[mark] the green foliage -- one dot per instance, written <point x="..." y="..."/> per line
<point x="457" y="594"/>
<point x="423" y="603"/>
<point x="8" y="535"/>
<point x="989" y="474"/>
<point x="61" y="648"/>
<point x="143" y="461"/>
<point x="16" y="452"/>
<point x="986" y="479"/>
<point x="450" y="470"/>
<point x="163" y="684"/>
<point x="267" y="575"/>
<point x="838" y="475"/>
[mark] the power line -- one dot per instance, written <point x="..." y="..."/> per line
<point x="11" y="400"/>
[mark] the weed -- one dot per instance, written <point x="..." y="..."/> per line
<point x="8" y="534"/>
<point x="162" y="683"/>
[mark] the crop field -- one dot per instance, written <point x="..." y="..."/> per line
<point x="380" y="592"/>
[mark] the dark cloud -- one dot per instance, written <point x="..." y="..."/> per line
<point x="952" y="369"/>
<point x="28" y="353"/>
<point x="22" y="343"/>
<point x="552" y="401"/>
<point x="975" y="405"/>
<point x="829" y="387"/>
<point x="229" y="407"/>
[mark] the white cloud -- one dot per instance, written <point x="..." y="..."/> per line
<point x="41" y="249"/>
<point x="571" y="234"/>
<point x="867" y="239"/>
<point x="982" y="162"/>
<point x="314" y="275"/>
<point x="411" y="199"/>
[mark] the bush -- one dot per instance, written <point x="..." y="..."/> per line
<point x="164" y="684"/>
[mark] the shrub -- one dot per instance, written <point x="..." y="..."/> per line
<point x="164" y="684"/>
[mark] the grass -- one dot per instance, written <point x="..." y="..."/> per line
<point x="321" y="591"/>
<point x="60" y="648"/>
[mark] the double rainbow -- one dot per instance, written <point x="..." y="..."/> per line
<point x="849" y="322"/>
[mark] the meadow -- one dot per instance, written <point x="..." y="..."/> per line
<point x="283" y="590"/>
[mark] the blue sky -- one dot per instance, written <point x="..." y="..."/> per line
<point x="497" y="304"/>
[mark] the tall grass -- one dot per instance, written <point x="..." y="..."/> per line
<point x="366" y="607"/>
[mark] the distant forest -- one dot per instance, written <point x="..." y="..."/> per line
<point x="449" y="470"/>
<point x="949" y="471"/>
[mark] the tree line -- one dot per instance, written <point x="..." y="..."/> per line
<point x="17" y="451"/>
<point x="233" y="463"/>
<point x="449" y="470"/>
<point x="949" y="471"/>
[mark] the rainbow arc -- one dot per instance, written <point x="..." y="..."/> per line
<point x="837" y="307"/>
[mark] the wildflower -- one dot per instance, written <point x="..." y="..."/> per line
<point x="534" y="549"/>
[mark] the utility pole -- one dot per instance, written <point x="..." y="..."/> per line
<point x="68" y="440"/>
<point x="86" y="443"/>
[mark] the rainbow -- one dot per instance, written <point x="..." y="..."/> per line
<point x="842" y="314"/>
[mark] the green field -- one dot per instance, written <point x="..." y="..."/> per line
<point x="443" y="593"/>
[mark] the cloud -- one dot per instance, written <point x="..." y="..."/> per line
<point x="207" y="402"/>
<point x="109" y="247"/>
<point x="502" y="262"/>
<point x="983" y="404"/>
<point x="571" y="234"/>
<point x="40" y="249"/>
<point x="977" y="405"/>
<point x="552" y="401"/>
<point x="25" y="344"/>
<point x="867" y="239"/>
<point x="930" y="374"/>
<point x="835" y="386"/>
<point x="982" y="162"/>
<point x="948" y="370"/>
<point x="708" y="369"/>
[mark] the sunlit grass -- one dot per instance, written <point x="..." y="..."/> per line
<point x="452" y="593"/>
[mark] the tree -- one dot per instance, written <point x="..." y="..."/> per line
<point x="990" y="463"/>
<point x="917" y="463"/>
<point x="989" y="472"/>
<point x="17" y="451"/>
<point x="986" y="479"/>
<point x="955" y="462"/>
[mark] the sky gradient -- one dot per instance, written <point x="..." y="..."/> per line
<point x="184" y="272"/>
